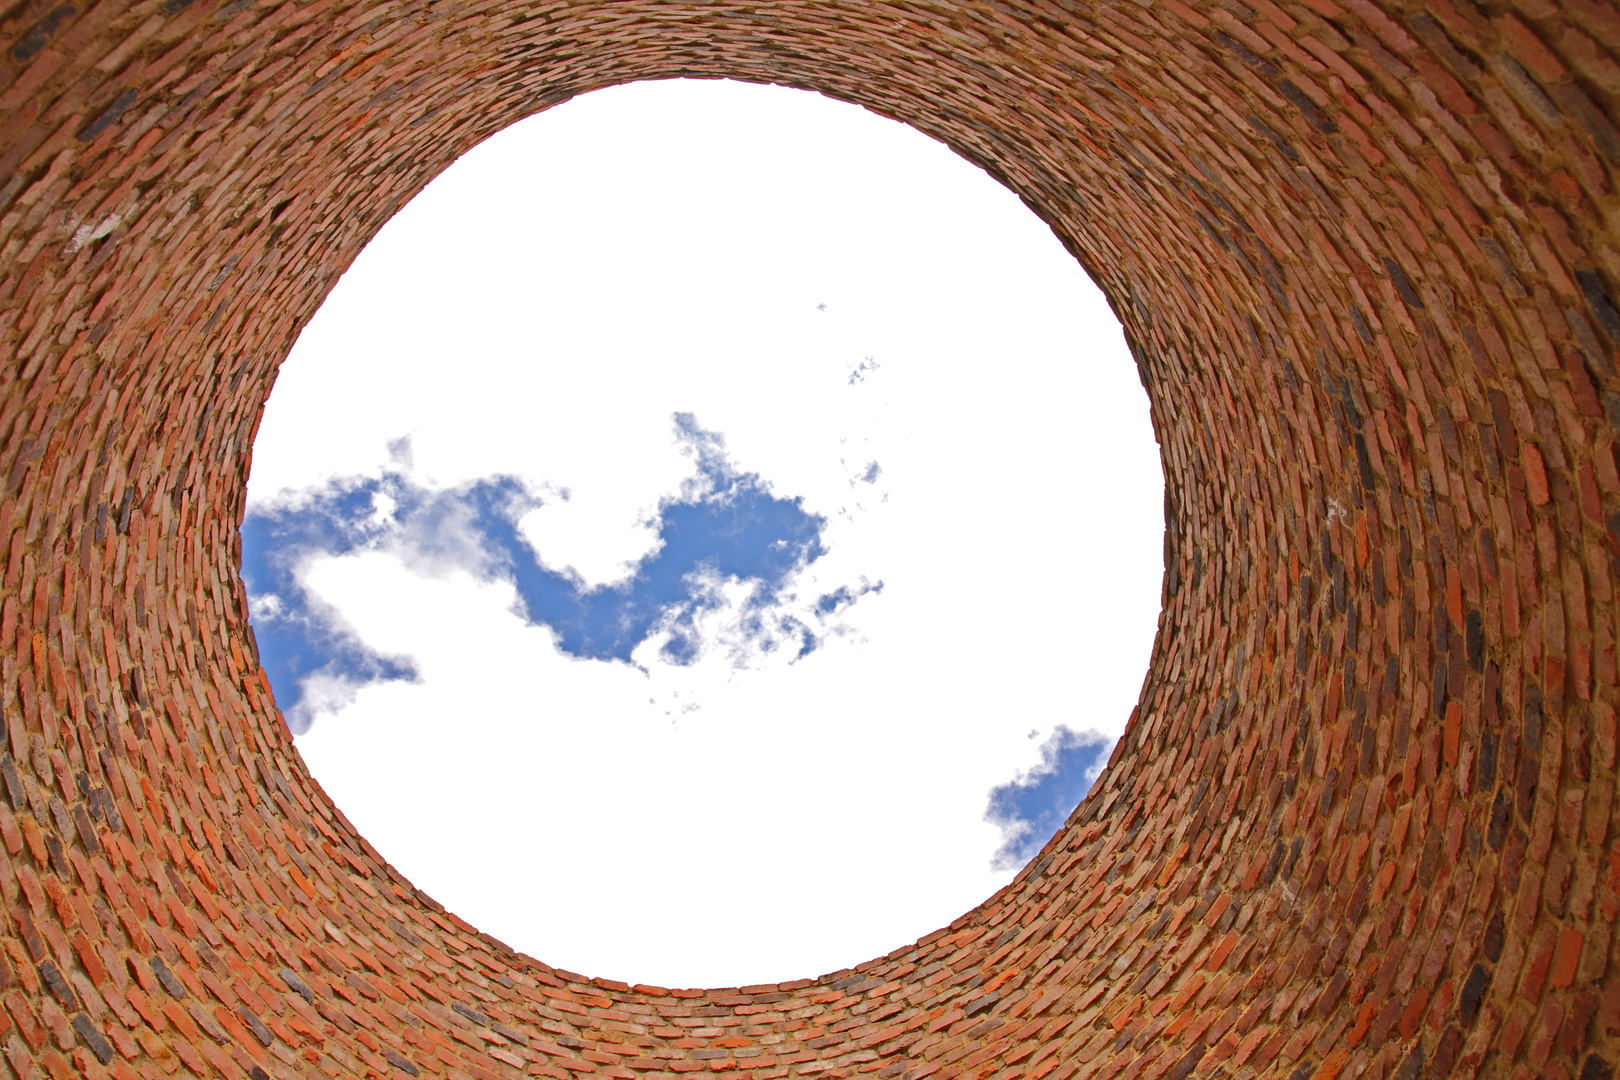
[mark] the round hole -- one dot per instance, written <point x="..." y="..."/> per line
<point x="704" y="493"/>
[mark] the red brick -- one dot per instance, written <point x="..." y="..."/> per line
<point x="1567" y="958"/>
<point x="1272" y="335"/>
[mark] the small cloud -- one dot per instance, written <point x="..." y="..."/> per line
<point x="841" y="598"/>
<point x="399" y="452"/>
<point x="821" y="307"/>
<point x="870" y="474"/>
<point x="1031" y="808"/>
<point x="862" y="370"/>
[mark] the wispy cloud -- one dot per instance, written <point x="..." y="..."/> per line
<point x="859" y="372"/>
<point x="722" y="575"/>
<point x="842" y="597"/>
<point x="1029" y="809"/>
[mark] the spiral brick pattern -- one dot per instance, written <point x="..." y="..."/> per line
<point x="1361" y="823"/>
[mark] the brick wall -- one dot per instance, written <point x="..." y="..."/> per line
<point x="1360" y="823"/>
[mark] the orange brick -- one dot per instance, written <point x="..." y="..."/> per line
<point x="1384" y="407"/>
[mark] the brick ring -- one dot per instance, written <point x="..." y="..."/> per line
<point x="1359" y="824"/>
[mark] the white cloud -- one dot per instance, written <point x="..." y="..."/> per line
<point x="577" y="530"/>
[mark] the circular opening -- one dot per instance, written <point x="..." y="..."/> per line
<point x="701" y="496"/>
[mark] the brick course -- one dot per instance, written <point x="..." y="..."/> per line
<point x="1360" y="823"/>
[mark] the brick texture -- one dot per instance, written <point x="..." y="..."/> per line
<point x="1361" y="821"/>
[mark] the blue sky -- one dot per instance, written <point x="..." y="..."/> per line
<point x="1034" y="805"/>
<point x="698" y="483"/>
<point x="722" y="526"/>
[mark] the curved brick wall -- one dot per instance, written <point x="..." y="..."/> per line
<point x="1360" y="822"/>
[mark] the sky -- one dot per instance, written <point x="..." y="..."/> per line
<point x="712" y="535"/>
